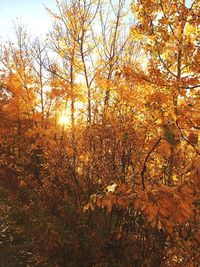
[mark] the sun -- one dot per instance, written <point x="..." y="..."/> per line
<point x="64" y="119"/>
<point x="64" y="115"/>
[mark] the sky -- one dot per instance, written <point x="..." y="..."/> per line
<point x="31" y="13"/>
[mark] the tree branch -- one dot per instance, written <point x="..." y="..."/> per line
<point x="146" y="159"/>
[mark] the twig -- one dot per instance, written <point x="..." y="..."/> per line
<point x="146" y="159"/>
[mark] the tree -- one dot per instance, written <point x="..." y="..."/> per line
<point x="168" y="33"/>
<point x="119" y="184"/>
